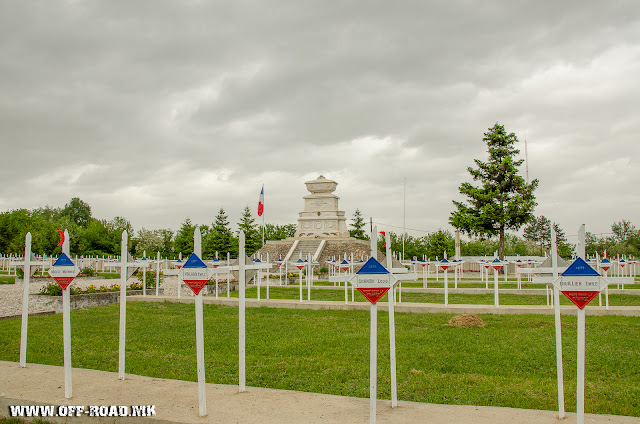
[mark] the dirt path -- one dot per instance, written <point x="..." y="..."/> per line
<point x="177" y="401"/>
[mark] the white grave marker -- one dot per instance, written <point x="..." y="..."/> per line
<point x="63" y="272"/>
<point x="195" y="275"/>
<point x="373" y="280"/>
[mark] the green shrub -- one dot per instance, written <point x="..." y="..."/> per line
<point x="53" y="289"/>
<point x="151" y="278"/>
<point x="88" y="271"/>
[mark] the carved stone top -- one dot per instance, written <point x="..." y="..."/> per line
<point x="321" y="185"/>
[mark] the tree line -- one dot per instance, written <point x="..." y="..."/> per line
<point x="90" y="236"/>
<point x="624" y="239"/>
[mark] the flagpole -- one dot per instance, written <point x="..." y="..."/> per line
<point x="404" y="213"/>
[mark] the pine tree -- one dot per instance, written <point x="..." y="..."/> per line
<point x="504" y="200"/>
<point x="219" y="239"/>
<point x="252" y="237"/>
<point x="358" y="226"/>
<point x="184" y="238"/>
<point x="538" y="231"/>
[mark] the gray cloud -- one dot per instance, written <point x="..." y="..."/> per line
<point x="160" y="110"/>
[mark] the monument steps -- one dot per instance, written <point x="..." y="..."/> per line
<point x="305" y="248"/>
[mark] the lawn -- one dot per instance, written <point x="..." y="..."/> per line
<point x="293" y="292"/>
<point x="509" y="363"/>
<point x="7" y="279"/>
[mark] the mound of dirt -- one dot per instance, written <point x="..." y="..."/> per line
<point x="466" y="321"/>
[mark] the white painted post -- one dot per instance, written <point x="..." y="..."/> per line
<point x="202" y="396"/>
<point x="606" y="292"/>
<point x="446" y="286"/>
<point x="257" y="283"/>
<point x="581" y="341"/>
<point x="558" y="326"/>
<point x="124" y="241"/>
<point x="457" y="256"/>
<point x="496" y="296"/>
<point x="300" y="283"/>
<point x="455" y="275"/>
<point x="373" y="345"/>
<point x="486" y="272"/>
<point x="310" y="276"/>
<point x="66" y="327"/>
<point x="241" y="314"/>
<point x="392" y="329"/>
<point x="268" y="279"/>
<point x="25" y="301"/>
<point x="215" y="275"/>
<point x="229" y="274"/>
<point x="580" y="376"/>
<point x="144" y="275"/>
<point x="506" y="270"/>
<point x="158" y="273"/>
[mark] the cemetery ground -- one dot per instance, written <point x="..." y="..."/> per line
<point x="510" y="362"/>
<point x="337" y="295"/>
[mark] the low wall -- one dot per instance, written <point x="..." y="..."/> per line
<point x="88" y="300"/>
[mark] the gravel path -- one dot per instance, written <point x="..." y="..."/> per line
<point x="11" y="294"/>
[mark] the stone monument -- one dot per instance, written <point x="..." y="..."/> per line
<point x="321" y="218"/>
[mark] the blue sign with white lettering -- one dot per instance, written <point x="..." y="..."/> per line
<point x="372" y="266"/>
<point x="194" y="262"/>
<point x="579" y="268"/>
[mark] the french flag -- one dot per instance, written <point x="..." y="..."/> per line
<point x="261" y="202"/>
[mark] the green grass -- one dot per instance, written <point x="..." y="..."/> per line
<point x="108" y="275"/>
<point x="293" y="292"/>
<point x="15" y="420"/>
<point x="509" y="363"/>
<point x="6" y="279"/>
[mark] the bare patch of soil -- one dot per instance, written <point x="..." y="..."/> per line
<point x="466" y="321"/>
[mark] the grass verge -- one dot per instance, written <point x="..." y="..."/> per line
<point x="293" y="292"/>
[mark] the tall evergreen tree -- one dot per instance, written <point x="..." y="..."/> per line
<point x="504" y="200"/>
<point x="538" y="231"/>
<point x="358" y="226"/>
<point x="184" y="238"/>
<point x="252" y="237"/>
<point x="219" y="239"/>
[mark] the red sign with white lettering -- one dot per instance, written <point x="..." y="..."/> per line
<point x="373" y="294"/>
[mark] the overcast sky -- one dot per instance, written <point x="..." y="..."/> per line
<point x="157" y="111"/>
